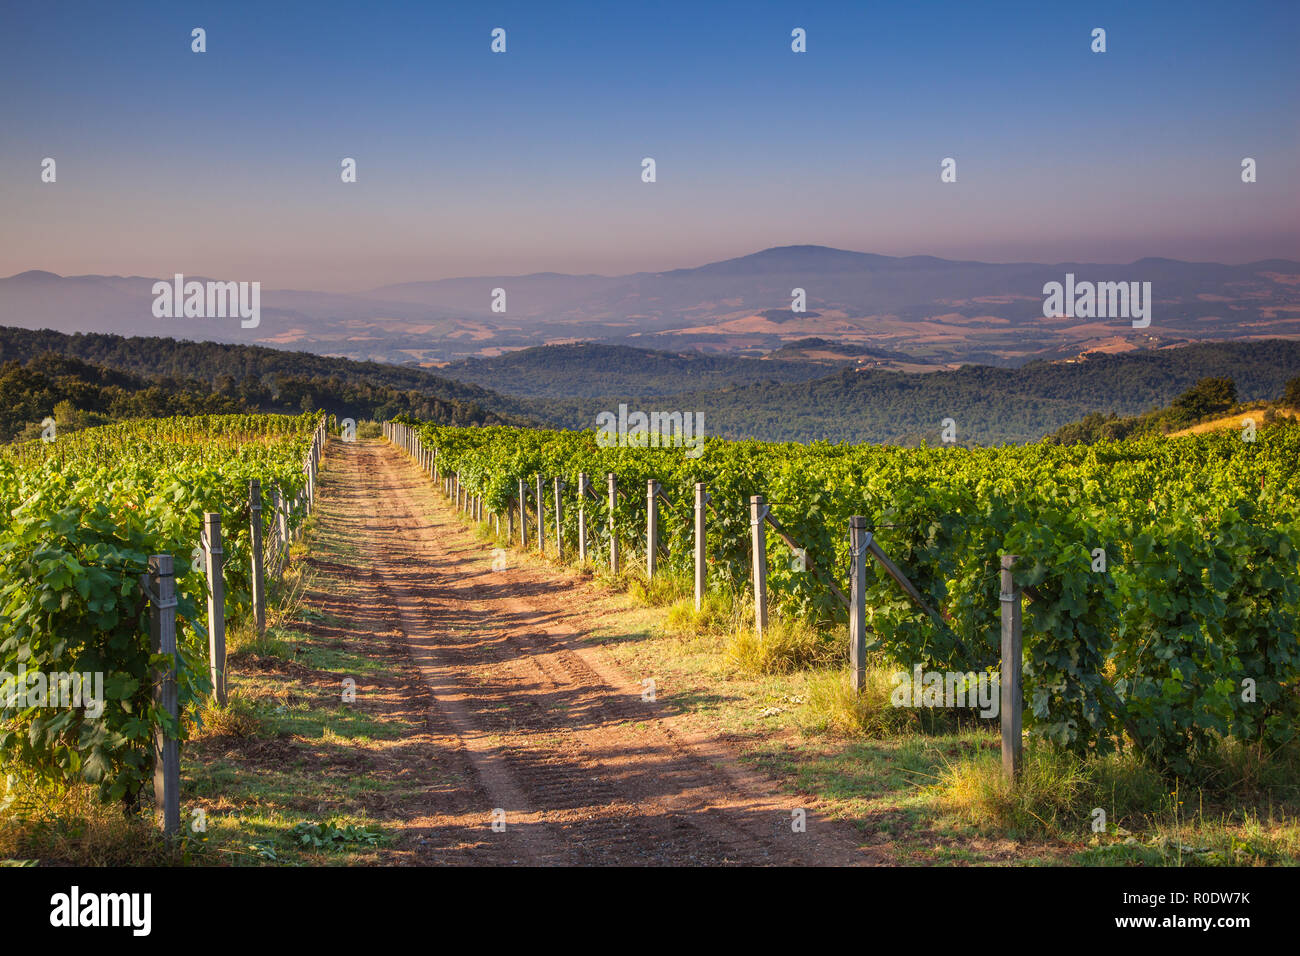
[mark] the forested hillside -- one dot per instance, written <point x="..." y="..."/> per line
<point x="78" y="393"/>
<point x="988" y="405"/>
<point x="592" y="369"/>
<point x="567" y="386"/>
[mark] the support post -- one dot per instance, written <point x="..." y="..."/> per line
<point x="216" y="605"/>
<point x="858" y="602"/>
<point x="258" y="572"/>
<point x="582" y="516"/>
<point x="559" y="519"/>
<point x="166" y="750"/>
<point x="701" y="500"/>
<point x="651" y="527"/>
<point x="613" y="532"/>
<point x="1010" y="677"/>
<point x="757" y="512"/>
<point x="282" y="517"/>
<point x="541" y="516"/>
<point x="523" y="514"/>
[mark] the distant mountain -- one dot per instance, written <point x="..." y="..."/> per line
<point x="931" y="309"/>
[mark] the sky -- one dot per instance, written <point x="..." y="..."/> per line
<point x="227" y="163"/>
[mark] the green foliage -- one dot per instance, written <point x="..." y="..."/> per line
<point x="86" y="380"/>
<point x="329" y="835"/>
<point x="79" y="518"/>
<point x="1198" y="599"/>
<point x="1208" y="397"/>
<point x="990" y="405"/>
<point x="1291" y="393"/>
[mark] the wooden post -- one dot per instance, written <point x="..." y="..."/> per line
<point x="166" y="749"/>
<point x="523" y="514"/>
<point x="613" y="533"/>
<point x="582" y="517"/>
<point x="541" y="517"/>
<point x="559" y="519"/>
<point x="1011" y="671"/>
<point x="435" y="466"/>
<point x="311" y="482"/>
<point x="282" y="518"/>
<point x="216" y="605"/>
<point x="701" y="500"/>
<point x="757" y="512"/>
<point x="651" y="527"/>
<point x="258" y="572"/>
<point x="858" y="602"/>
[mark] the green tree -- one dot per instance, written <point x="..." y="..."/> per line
<point x="1209" y="396"/>
<point x="1291" y="393"/>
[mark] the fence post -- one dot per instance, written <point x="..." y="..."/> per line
<point x="613" y="534"/>
<point x="255" y="537"/>
<point x="559" y="520"/>
<point x="282" y="518"/>
<point x="216" y="604"/>
<point x="523" y="514"/>
<point x="582" y="517"/>
<point x="651" y="527"/>
<point x="311" y="481"/>
<point x="701" y="499"/>
<point x="166" y="749"/>
<point x="1011" y="671"/>
<point x="541" y="516"/>
<point x="757" y="512"/>
<point x="858" y="602"/>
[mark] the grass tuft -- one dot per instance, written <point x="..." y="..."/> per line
<point x="239" y="718"/>
<point x="831" y="706"/>
<point x="789" y="645"/>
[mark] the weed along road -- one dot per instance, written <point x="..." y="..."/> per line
<point x="555" y="755"/>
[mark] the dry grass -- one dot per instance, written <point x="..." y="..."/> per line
<point x="831" y="706"/>
<point x="56" y="825"/>
<point x="239" y="718"/>
<point x="1056" y="795"/>
<point x="787" y="646"/>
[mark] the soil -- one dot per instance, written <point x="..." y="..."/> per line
<point x="528" y="724"/>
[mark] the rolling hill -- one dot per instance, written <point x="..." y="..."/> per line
<point x="931" y="309"/>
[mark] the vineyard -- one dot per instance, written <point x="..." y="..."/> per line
<point x="1164" y="574"/>
<point x="80" y="517"/>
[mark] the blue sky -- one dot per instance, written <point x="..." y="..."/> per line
<point x="227" y="162"/>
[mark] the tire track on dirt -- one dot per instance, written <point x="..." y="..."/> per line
<point x="587" y="772"/>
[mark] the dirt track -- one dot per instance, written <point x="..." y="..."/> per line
<point x="522" y="716"/>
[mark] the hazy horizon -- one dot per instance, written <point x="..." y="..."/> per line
<point x="671" y="268"/>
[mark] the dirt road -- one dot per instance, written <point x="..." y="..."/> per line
<point x="528" y="726"/>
